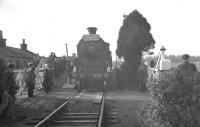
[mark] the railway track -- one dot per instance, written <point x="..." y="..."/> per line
<point x="69" y="116"/>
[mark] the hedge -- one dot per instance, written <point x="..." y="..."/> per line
<point x="176" y="96"/>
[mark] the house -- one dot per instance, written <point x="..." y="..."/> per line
<point x="18" y="57"/>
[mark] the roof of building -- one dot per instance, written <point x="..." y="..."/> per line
<point x="7" y="51"/>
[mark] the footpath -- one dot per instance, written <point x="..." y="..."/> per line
<point x="41" y="103"/>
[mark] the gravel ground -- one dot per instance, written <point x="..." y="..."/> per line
<point x="83" y="106"/>
<point x="132" y="108"/>
<point x="130" y="105"/>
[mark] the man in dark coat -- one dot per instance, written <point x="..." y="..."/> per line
<point x="70" y="66"/>
<point x="30" y="79"/>
<point x="187" y="65"/>
<point x="2" y="69"/>
<point x="8" y="91"/>
<point x="3" y="95"/>
<point x="47" y="81"/>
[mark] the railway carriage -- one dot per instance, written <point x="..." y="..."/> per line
<point x="94" y="60"/>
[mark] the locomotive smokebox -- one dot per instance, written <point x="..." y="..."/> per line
<point x="92" y="30"/>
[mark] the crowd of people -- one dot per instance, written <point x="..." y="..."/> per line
<point x="9" y="87"/>
<point x="11" y="83"/>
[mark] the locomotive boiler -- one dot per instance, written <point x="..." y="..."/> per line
<point x="94" y="61"/>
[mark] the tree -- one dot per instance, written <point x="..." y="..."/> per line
<point x="134" y="39"/>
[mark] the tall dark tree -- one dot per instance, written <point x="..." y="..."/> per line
<point x="134" y="39"/>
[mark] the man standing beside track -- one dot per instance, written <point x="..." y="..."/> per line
<point x="47" y="81"/>
<point x="70" y="66"/>
<point x="30" y="79"/>
<point x="187" y="65"/>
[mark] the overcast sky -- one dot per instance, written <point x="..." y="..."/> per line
<point x="48" y="24"/>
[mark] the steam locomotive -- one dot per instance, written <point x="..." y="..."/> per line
<point x="94" y="61"/>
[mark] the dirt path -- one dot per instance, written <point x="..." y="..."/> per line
<point x="131" y="105"/>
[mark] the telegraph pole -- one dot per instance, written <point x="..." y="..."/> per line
<point x="116" y="61"/>
<point x="66" y="49"/>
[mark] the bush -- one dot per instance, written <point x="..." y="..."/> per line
<point x="176" y="99"/>
<point x="126" y="77"/>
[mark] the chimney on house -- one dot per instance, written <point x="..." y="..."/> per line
<point x="2" y="40"/>
<point x="23" y="45"/>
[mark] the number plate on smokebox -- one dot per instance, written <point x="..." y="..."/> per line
<point x="91" y="75"/>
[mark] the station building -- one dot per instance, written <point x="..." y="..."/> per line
<point x="17" y="56"/>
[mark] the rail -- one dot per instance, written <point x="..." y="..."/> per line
<point x="45" y="121"/>
<point x="101" y="112"/>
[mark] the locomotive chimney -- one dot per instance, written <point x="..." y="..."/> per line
<point x="92" y="30"/>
